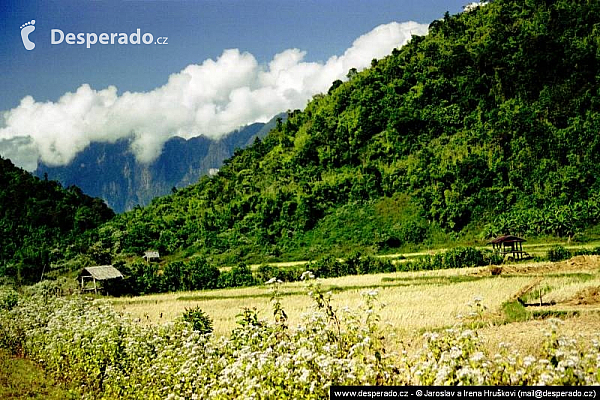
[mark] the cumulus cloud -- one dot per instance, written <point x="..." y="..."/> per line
<point x="210" y="99"/>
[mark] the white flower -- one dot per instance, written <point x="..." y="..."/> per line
<point x="307" y="275"/>
<point x="455" y="352"/>
<point x="527" y="361"/>
<point x="467" y="334"/>
<point x="304" y="376"/>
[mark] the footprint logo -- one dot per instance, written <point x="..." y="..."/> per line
<point x="26" y="29"/>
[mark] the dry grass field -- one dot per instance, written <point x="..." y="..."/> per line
<point x="413" y="302"/>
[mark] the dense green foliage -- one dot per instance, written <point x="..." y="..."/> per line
<point x="459" y="257"/>
<point x="490" y="121"/>
<point x="111" y="357"/>
<point x="40" y="221"/>
<point x="199" y="274"/>
<point x="143" y="278"/>
<point x="201" y="322"/>
<point x="558" y="253"/>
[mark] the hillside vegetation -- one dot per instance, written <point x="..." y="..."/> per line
<point x="489" y="123"/>
<point x="39" y="221"/>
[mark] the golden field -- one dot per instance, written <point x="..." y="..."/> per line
<point x="412" y="302"/>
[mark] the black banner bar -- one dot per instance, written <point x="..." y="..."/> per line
<point x="466" y="392"/>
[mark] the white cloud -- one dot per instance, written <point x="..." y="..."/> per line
<point x="209" y="99"/>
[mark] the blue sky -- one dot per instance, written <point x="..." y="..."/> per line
<point x="197" y="31"/>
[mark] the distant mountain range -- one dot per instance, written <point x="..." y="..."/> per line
<point x="110" y="170"/>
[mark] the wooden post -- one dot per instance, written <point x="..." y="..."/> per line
<point x="521" y="246"/>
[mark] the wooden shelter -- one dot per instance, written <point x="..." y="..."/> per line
<point x="509" y="244"/>
<point x="99" y="273"/>
<point x="151" y="255"/>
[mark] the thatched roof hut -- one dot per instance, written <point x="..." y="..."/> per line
<point x="98" y="273"/>
<point x="509" y="244"/>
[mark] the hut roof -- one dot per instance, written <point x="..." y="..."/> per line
<point x="506" y="239"/>
<point x="102" y="272"/>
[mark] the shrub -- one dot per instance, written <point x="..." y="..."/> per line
<point x="352" y="264"/>
<point x="173" y="277"/>
<point x="326" y="267"/>
<point x="463" y="257"/>
<point x="374" y="265"/>
<point x="240" y="275"/>
<point x="558" y="253"/>
<point x="199" y="320"/>
<point x="587" y="252"/>
<point x="458" y="257"/>
<point x="9" y="298"/>
<point x="201" y="275"/>
<point x="492" y="257"/>
<point x="356" y="264"/>
<point x="290" y="274"/>
<point x="266" y="272"/>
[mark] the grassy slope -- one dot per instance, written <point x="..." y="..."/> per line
<point x="23" y="379"/>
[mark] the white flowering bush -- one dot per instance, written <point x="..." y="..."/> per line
<point x="457" y="357"/>
<point x="112" y="357"/>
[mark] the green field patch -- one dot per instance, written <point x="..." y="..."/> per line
<point x="562" y="314"/>
<point x="399" y="282"/>
<point x="238" y="296"/>
<point x="339" y="289"/>
<point x="577" y="276"/>
<point x="139" y="301"/>
<point x="432" y="280"/>
<point x="515" y="312"/>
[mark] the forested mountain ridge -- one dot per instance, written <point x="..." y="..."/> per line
<point x="489" y="123"/>
<point x="38" y="221"/>
<point x="110" y="170"/>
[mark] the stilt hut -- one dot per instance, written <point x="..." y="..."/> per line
<point x="99" y="273"/>
<point x="509" y="245"/>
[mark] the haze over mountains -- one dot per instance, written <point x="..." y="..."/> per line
<point x="112" y="172"/>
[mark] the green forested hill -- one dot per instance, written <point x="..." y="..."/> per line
<point x="38" y="218"/>
<point x="488" y="124"/>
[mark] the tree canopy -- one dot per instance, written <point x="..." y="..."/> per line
<point x="40" y="220"/>
<point x="490" y="122"/>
